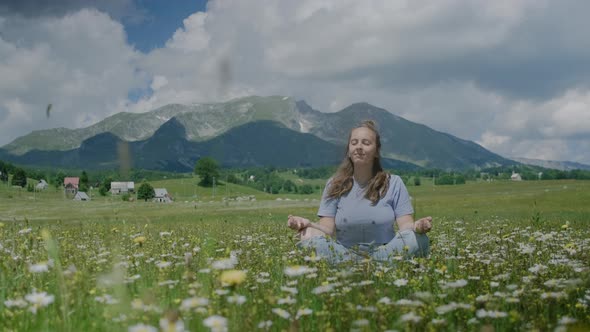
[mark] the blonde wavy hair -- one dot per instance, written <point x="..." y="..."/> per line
<point x="342" y="181"/>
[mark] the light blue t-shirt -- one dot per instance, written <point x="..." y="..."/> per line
<point x="360" y="222"/>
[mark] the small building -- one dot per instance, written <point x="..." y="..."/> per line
<point x="122" y="187"/>
<point x="71" y="185"/>
<point x="162" y="195"/>
<point x="42" y="185"/>
<point x="81" y="196"/>
<point x="515" y="177"/>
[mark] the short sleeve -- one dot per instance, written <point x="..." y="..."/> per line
<point x="328" y="206"/>
<point x="401" y="202"/>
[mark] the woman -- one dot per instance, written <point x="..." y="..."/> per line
<point x="359" y="206"/>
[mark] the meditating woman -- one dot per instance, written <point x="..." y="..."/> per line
<point x="359" y="206"/>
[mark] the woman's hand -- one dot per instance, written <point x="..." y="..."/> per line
<point x="298" y="223"/>
<point x="423" y="225"/>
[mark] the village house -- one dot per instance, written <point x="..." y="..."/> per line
<point x="81" y="196"/>
<point x="42" y="185"/>
<point x="122" y="187"/>
<point x="71" y="185"/>
<point x="162" y="195"/>
<point x="515" y="177"/>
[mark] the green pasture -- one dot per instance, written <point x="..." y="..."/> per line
<point x="504" y="256"/>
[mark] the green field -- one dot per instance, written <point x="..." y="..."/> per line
<point x="504" y="256"/>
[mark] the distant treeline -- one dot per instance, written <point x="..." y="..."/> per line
<point x="55" y="177"/>
<point x="269" y="179"/>
<point x="526" y="172"/>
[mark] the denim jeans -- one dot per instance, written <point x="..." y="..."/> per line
<point x="406" y="243"/>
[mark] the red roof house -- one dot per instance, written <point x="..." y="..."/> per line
<point x="72" y="181"/>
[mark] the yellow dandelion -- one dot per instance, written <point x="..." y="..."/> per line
<point x="139" y="239"/>
<point x="233" y="277"/>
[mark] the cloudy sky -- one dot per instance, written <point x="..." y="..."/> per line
<point x="512" y="75"/>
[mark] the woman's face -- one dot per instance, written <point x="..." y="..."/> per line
<point x="362" y="147"/>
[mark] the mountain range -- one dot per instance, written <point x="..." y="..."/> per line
<point x="244" y="132"/>
<point x="554" y="164"/>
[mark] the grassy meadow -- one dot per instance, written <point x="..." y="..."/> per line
<point x="504" y="256"/>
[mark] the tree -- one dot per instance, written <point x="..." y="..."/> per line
<point x="83" y="185"/>
<point x="145" y="191"/>
<point x="105" y="186"/>
<point x="3" y="172"/>
<point x="416" y="180"/>
<point x="58" y="180"/>
<point x="19" y="178"/>
<point x="306" y="189"/>
<point x="289" y="186"/>
<point x="207" y="169"/>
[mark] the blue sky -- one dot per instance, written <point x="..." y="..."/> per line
<point x="511" y="75"/>
<point x="161" y="19"/>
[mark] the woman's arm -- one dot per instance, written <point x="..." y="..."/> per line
<point x="422" y="225"/>
<point x="326" y="224"/>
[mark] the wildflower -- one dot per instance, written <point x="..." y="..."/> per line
<point x="553" y="295"/>
<point x="232" y="277"/>
<point x="384" y="300"/>
<point x="411" y="317"/>
<point x="19" y="303"/>
<point x="323" y="289"/>
<point x="106" y="299"/>
<point x="538" y="268"/>
<point x="25" y="231"/>
<point x="39" y="300"/>
<point x="163" y="264"/>
<point x="139" y="240"/>
<point x="367" y="308"/>
<point x="236" y="299"/>
<point x="162" y="234"/>
<point x="39" y="267"/>
<point x="446" y="308"/>
<point x="287" y="300"/>
<point x="281" y="313"/>
<point x="298" y="270"/>
<point x="565" y="320"/>
<point x="483" y="298"/>
<point x="291" y="290"/>
<point x="456" y="284"/>
<point x="142" y="328"/>
<point x="224" y="264"/>
<point x="400" y="282"/>
<point x="265" y="324"/>
<point x="193" y="302"/>
<point x="368" y="282"/>
<point x="482" y="313"/>
<point x="423" y="295"/>
<point x="216" y="323"/>
<point x="435" y="321"/>
<point x="169" y="283"/>
<point x="171" y="323"/>
<point x="221" y="292"/>
<point x="303" y="312"/>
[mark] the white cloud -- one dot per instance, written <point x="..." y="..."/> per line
<point x="510" y="74"/>
<point x="80" y="63"/>
<point x="193" y="37"/>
